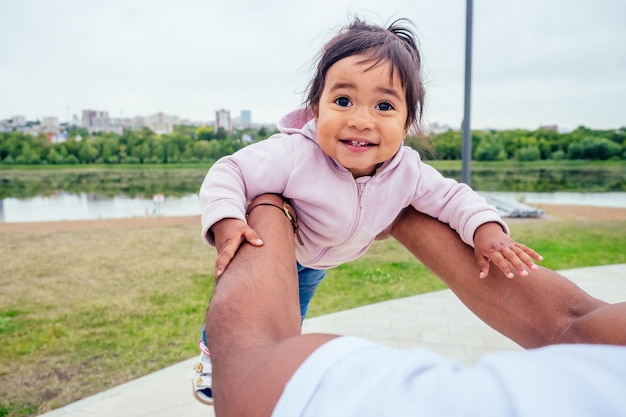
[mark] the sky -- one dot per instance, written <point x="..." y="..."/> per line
<point x="534" y="62"/>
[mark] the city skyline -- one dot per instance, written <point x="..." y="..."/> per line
<point x="534" y="63"/>
<point x="244" y="117"/>
<point x="77" y="116"/>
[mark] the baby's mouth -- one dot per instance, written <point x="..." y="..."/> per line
<point x="357" y="143"/>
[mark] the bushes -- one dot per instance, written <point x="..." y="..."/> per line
<point x="132" y="147"/>
<point x="524" y="145"/>
<point x="529" y="153"/>
<point x="594" y="148"/>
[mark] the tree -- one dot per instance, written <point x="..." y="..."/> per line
<point x="448" y="145"/>
<point x="490" y="148"/>
<point x="205" y="133"/>
<point x="221" y="134"/>
<point x="54" y="157"/>
<point x="202" y="149"/>
<point x="10" y="144"/>
<point x="88" y="153"/>
<point x="597" y="148"/>
<point x="528" y="153"/>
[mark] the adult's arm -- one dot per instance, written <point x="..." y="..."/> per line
<point x="253" y="321"/>
<point x="540" y="309"/>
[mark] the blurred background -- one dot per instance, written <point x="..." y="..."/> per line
<point x="535" y="63"/>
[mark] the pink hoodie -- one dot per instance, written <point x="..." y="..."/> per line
<point x="339" y="215"/>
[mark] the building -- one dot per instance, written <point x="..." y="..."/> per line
<point x="246" y="118"/>
<point x="50" y="123"/>
<point x="222" y="121"/>
<point x="96" y="121"/>
<point x="161" y="123"/>
<point x="18" y="121"/>
<point x="51" y="128"/>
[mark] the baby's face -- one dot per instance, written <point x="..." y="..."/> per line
<point x="361" y="115"/>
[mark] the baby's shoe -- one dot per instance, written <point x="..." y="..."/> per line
<point x="202" y="380"/>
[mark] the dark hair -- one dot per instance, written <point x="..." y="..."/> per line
<point x="397" y="45"/>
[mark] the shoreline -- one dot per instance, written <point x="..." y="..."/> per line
<point x="121" y="223"/>
<point x="551" y="213"/>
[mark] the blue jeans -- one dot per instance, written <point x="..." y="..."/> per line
<point x="308" y="280"/>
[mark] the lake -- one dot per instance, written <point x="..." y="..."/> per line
<point x="65" y="206"/>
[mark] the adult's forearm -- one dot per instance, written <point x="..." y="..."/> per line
<point x="540" y="309"/>
<point x="253" y="321"/>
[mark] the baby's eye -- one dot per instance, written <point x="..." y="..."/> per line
<point x="343" y="102"/>
<point x="384" y="106"/>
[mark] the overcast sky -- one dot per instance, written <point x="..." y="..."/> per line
<point x="535" y="62"/>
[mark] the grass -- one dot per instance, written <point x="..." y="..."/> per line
<point x="85" y="310"/>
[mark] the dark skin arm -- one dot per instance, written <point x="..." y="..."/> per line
<point x="253" y="321"/>
<point x="539" y="309"/>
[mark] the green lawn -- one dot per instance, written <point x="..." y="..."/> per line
<point x="82" y="311"/>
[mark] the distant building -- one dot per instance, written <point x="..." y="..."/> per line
<point x="18" y="121"/>
<point x="74" y="122"/>
<point x="50" y="122"/>
<point x="121" y="123"/>
<point x="161" y="123"/>
<point x="244" y="121"/>
<point x="246" y="118"/>
<point x="96" y="121"/>
<point x="436" y="128"/>
<point x="50" y="127"/>
<point x="222" y="120"/>
<point x="58" y="138"/>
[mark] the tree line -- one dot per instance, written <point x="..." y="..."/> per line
<point x="526" y="145"/>
<point x="188" y="144"/>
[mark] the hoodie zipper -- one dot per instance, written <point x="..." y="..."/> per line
<point x="360" y="189"/>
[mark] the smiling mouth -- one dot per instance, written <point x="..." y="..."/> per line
<point x="357" y="143"/>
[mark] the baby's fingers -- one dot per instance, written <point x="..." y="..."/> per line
<point x="501" y="262"/>
<point x="530" y="252"/>
<point x="252" y="237"/>
<point x="483" y="266"/>
<point x="520" y="260"/>
<point x="224" y="255"/>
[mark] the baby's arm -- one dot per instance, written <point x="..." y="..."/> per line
<point x="492" y="244"/>
<point x="229" y="234"/>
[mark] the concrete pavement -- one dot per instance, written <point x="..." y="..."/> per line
<point x="437" y="320"/>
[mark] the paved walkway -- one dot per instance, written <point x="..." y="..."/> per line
<point x="435" y="320"/>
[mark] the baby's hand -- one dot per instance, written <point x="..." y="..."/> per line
<point x="229" y="233"/>
<point x="492" y="244"/>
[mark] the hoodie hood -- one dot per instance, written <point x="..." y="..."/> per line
<point x="296" y="121"/>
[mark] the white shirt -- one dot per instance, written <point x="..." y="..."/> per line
<point x="350" y="376"/>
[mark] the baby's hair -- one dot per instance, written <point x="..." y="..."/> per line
<point x="397" y="45"/>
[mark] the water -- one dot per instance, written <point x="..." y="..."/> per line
<point x="65" y="206"/>
<point x="611" y="199"/>
<point x="87" y="207"/>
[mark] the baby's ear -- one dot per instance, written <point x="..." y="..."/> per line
<point x="315" y="109"/>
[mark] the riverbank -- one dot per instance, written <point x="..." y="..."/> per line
<point x="552" y="212"/>
<point x="126" y="223"/>
<point x="566" y="212"/>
